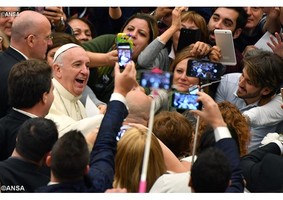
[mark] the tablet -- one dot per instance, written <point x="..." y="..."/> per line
<point x="224" y="40"/>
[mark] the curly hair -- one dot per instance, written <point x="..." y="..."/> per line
<point x="236" y="123"/>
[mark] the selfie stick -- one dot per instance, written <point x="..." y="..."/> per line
<point x="142" y="186"/>
<point x="195" y="142"/>
<point x="197" y="124"/>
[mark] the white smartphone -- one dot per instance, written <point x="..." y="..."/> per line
<point x="224" y="40"/>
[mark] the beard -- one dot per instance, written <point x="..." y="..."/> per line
<point x="243" y="94"/>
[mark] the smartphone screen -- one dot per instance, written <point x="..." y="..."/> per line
<point x="124" y="54"/>
<point x="188" y="37"/>
<point x="156" y="80"/>
<point x="204" y="69"/>
<point x="185" y="101"/>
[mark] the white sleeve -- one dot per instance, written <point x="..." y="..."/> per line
<point x="268" y="114"/>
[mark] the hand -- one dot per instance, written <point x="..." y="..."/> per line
<point x="161" y="12"/>
<point x="200" y="49"/>
<point x="55" y="15"/>
<point x="210" y="111"/>
<point x="112" y="57"/>
<point x="276" y="46"/>
<point x="214" y="54"/>
<point x="176" y="17"/>
<point x="125" y="81"/>
<point x="102" y="108"/>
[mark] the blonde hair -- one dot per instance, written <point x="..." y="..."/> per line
<point x="129" y="160"/>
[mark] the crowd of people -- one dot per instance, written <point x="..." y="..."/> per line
<point x="71" y="120"/>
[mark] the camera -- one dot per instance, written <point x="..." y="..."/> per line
<point x="185" y="101"/>
<point x="156" y="80"/>
<point x="205" y="69"/>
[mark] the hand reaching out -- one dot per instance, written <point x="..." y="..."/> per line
<point x="276" y="44"/>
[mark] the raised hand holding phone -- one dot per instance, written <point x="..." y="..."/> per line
<point x="124" y="48"/>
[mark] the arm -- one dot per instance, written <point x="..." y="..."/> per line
<point x="262" y="167"/>
<point x="223" y="139"/>
<point x="272" y="23"/>
<point x="99" y="50"/>
<point x="171" y="161"/>
<point x="148" y="55"/>
<point x="271" y="111"/>
<point x="102" y="158"/>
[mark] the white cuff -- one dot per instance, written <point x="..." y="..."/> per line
<point x="119" y="97"/>
<point x="221" y="133"/>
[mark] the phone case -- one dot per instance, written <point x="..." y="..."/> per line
<point x="204" y="69"/>
<point x="224" y="40"/>
<point x="124" y="38"/>
<point x="188" y="37"/>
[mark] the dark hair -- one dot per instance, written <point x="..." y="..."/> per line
<point x="70" y="156"/>
<point x="35" y="138"/>
<point x="86" y="21"/>
<point x="61" y="38"/>
<point x="242" y="18"/>
<point x="28" y="81"/>
<point x="152" y="24"/>
<point x="264" y="69"/>
<point x="211" y="172"/>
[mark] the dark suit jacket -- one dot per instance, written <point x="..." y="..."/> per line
<point x="24" y="175"/>
<point x="9" y="126"/>
<point x="7" y="59"/>
<point x="230" y="149"/>
<point x="102" y="157"/>
<point x="263" y="169"/>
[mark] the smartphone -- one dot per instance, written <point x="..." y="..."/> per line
<point x="224" y="40"/>
<point x="281" y="93"/>
<point x="204" y="69"/>
<point x="156" y="80"/>
<point x="188" y="37"/>
<point x="185" y="101"/>
<point x="124" y="54"/>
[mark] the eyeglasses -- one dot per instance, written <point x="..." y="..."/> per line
<point x="49" y="37"/>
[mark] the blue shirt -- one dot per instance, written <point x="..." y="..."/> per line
<point x="227" y="91"/>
